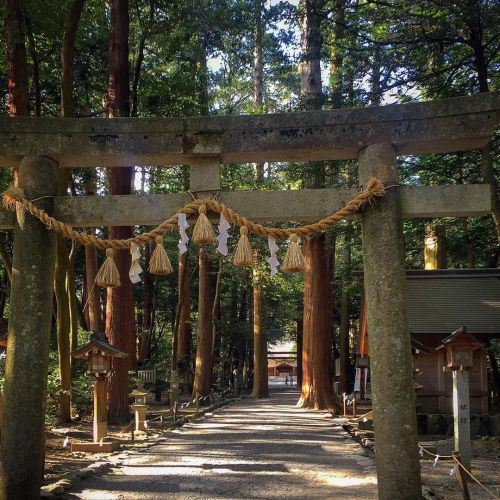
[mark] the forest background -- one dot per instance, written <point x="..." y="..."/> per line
<point x="158" y="58"/>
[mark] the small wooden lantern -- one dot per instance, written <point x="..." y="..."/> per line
<point x="99" y="354"/>
<point x="460" y="347"/>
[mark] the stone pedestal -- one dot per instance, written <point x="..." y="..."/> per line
<point x="140" y="417"/>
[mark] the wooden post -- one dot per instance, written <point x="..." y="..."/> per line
<point x="461" y="477"/>
<point x="22" y="451"/>
<point x="100" y="409"/>
<point x="344" y="399"/>
<point x="461" y="416"/>
<point x="395" y="419"/>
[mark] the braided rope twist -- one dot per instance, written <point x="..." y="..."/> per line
<point x="14" y="198"/>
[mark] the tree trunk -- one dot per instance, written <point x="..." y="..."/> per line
<point x="317" y="391"/>
<point x="260" y="379"/>
<point x="311" y="95"/>
<point x="36" y="66"/>
<point x="300" y="347"/>
<point x="120" y="327"/>
<point x="345" y="320"/>
<point x="258" y="72"/>
<point x="184" y="340"/>
<point x="68" y="56"/>
<point x="74" y="309"/>
<point x="17" y="66"/>
<point x="337" y="54"/>
<point x="204" y="342"/>
<point x="62" y="260"/>
<point x="22" y="443"/>
<point x="146" y="319"/>
<point x="435" y="254"/>
<point x="63" y="321"/>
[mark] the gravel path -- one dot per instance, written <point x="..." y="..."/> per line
<point x="249" y="450"/>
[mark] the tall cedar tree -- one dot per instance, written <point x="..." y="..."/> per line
<point x="120" y="301"/>
<point x="316" y="391"/>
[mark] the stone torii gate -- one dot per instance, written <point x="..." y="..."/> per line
<point x="374" y="136"/>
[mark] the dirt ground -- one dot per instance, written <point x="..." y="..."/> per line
<point x="485" y="467"/>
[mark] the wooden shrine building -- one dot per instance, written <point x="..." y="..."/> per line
<point x="439" y="303"/>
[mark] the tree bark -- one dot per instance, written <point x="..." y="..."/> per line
<point x="345" y="321"/>
<point x="204" y="342"/>
<point x="258" y="71"/>
<point x="120" y="327"/>
<point x="317" y="390"/>
<point x="184" y="303"/>
<point x="22" y="443"/>
<point x="300" y="344"/>
<point x="63" y="322"/>
<point x="74" y="309"/>
<point x="63" y="299"/>
<point x="395" y="419"/>
<point x="311" y="94"/>
<point x="17" y="66"/>
<point x="68" y="57"/>
<point x="435" y="254"/>
<point x="260" y="379"/>
<point x="36" y="65"/>
<point x="337" y="54"/>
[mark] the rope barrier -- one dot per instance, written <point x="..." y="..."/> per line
<point x="457" y="462"/>
<point x="15" y="200"/>
<point x="475" y="479"/>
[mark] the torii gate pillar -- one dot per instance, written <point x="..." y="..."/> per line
<point x="22" y="443"/>
<point x="394" y="412"/>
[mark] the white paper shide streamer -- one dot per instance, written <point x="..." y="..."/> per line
<point x="183" y="225"/>
<point x="135" y="267"/>
<point x="273" y="260"/>
<point x="223" y="235"/>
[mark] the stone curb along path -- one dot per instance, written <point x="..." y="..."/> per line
<point x="62" y="485"/>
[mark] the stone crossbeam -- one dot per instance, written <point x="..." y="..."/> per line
<point x="443" y="126"/>
<point x="302" y="205"/>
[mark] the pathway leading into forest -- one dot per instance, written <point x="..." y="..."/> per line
<point x="265" y="449"/>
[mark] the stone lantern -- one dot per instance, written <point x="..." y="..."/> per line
<point x="99" y="355"/>
<point x="139" y="408"/>
<point x="460" y="347"/>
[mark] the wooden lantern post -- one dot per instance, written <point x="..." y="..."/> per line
<point x="99" y="354"/>
<point x="460" y="346"/>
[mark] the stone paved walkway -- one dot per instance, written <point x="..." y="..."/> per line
<point x="266" y="449"/>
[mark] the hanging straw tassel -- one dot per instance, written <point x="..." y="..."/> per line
<point x="159" y="263"/>
<point x="108" y="275"/>
<point x="243" y="255"/>
<point x="203" y="232"/>
<point x="294" y="260"/>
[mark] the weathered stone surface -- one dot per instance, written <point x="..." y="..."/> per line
<point x="267" y="206"/>
<point x="394" y="415"/>
<point x="28" y="339"/>
<point x="440" y="126"/>
<point x="494" y="425"/>
<point x="436" y="424"/>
